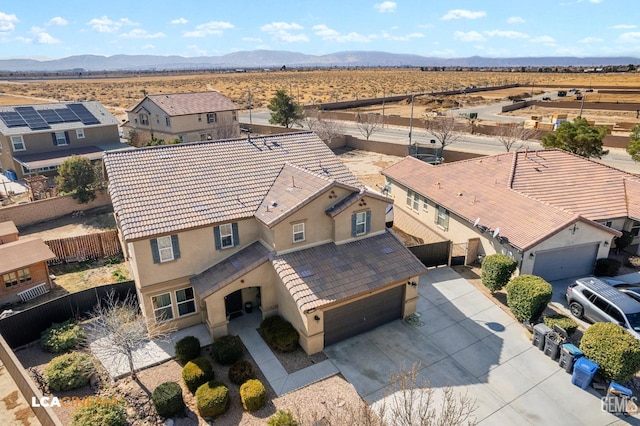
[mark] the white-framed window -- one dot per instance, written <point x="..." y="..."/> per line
<point x="442" y="218"/>
<point x="80" y="133"/>
<point x="199" y="117"/>
<point x="167" y="121"/>
<point x="18" y="143"/>
<point x="165" y="248"/>
<point x="507" y="252"/>
<point x="144" y="118"/>
<point x="162" y="307"/>
<point x="425" y="205"/>
<point x="61" y="138"/>
<point x="226" y="235"/>
<point x="361" y="223"/>
<point x="211" y="117"/>
<point x="185" y="300"/>
<point x="234" y="115"/>
<point x="13" y="278"/>
<point x="298" y="232"/>
<point x="157" y="119"/>
<point x="413" y="200"/>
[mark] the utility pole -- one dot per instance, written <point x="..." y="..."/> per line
<point x="384" y="95"/>
<point x="411" y="123"/>
<point x="250" y="107"/>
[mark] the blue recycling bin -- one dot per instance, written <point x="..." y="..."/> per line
<point x="583" y="371"/>
<point x="617" y="398"/>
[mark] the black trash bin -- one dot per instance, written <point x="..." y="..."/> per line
<point x="568" y="355"/>
<point x="248" y="307"/>
<point x="540" y="331"/>
<point x="617" y="398"/>
<point x="552" y="345"/>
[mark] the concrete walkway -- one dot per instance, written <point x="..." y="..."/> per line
<point x="281" y="382"/>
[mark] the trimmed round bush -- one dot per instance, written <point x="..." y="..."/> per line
<point x="253" y="395"/>
<point x="280" y="334"/>
<point x="283" y="418"/>
<point x="497" y="270"/>
<point x="212" y="399"/>
<point x="99" y="415"/>
<point x="187" y="348"/>
<point x="241" y="371"/>
<point x="69" y="371"/>
<point x="61" y="337"/>
<point x="607" y="267"/>
<point x="167" y="398"/>
<point x="614" y="349"/>
<point x="197" y="372"/>
<point x="528" y="296"/>
<point x="562" y="321"/>
<point x="226" y="350"/>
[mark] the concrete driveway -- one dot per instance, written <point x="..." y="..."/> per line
<point x="470" y="344"/>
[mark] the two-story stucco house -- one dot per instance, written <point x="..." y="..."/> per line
<point x="275" y="221"/>
<point x="556" y="213"/>
<point x="36" y="139"/>
<point x="190" y="117"/>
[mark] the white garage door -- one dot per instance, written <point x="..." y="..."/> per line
<point x="565" y="262"/>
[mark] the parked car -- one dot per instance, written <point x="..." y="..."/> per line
<point x="546" y="98"/>
<point x="630" y="289"/>
<point x="597" y="301"/>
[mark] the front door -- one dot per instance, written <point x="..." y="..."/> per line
<point x="233" y="303"/>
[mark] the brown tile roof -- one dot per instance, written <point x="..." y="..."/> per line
<point x="351" y="199"/>
<point x="480" y="188"/>
<point x="8" y="228"/>
<point x="22" y="253"/>
<point x="230" y="269"/>
<point x="192" y="103"/>
<point x="328" y="273"/>
<point x="159" y="190"/>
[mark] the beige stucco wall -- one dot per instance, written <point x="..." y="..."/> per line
<point x="176" y="323"/>
<point x="342" y="221"/>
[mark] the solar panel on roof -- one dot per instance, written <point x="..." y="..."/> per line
<point x="50" y="116"/>
<point x="83" y="113"/>
<point x="33" y="119"/>
<point x="12" y="119"/>
<point x="67" y="115"/>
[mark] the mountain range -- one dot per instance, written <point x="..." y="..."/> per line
<point x="274" y="58"/>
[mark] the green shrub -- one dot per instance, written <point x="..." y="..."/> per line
<point x="623" y="241"/>
<point x="187" y="348"/>
<point x="61" y="337"/>
<point x="562" y="321"/>
<point x="607" y="267"/>
<point x="253" y="395"/>
<point x="614" y="349"/>
<point x="167" y="398"/>
<point x="227" y="349"/>
<point x="241" y="371"/>
<point x="212" y="399"/>
<point x="283" y="418"/>
<point x="528" y="296"/>
<point x="280" y="334"/>
<point x="99" y="415"/>
<point x="197" y="372"/>
<point x="497" y="270"/>
<point x="69" y="371"/>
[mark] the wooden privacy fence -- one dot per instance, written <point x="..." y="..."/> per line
<point x="85" y="247"/>
<point x="433" y="254"/>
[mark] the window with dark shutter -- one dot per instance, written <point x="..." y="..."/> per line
<point x="353" y="225"/>
<point x="154" y="251"/>
<point x="236" y="236"/>
<point x="176" y="247"/>
<point x="216" y="237"/>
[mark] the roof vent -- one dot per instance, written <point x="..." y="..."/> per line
<point x="305" y="273"/>
<point x="387" y="250"/>
<point x="274" y="204"/>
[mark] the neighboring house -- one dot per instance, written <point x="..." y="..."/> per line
<point x="554" y="212"/>
<point x="23" y="266"/>
<point x="36" y="139"/>
<point x="277" y="221"/>
<point x="190" y="117"/>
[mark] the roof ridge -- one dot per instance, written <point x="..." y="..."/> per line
<point x="185" y="93"/>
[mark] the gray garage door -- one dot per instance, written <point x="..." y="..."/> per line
<point x="565" y="262"/>
<point x="365" y="314"/>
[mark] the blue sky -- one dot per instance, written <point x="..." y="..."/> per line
<point x="493" y="28"/>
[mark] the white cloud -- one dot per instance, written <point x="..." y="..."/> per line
<point x="42" y="37"/>
<point x="281" y="31"/>
<point x="468" y="36"/>
<point x="327" y="33"/>
<point x="210" y="28"/>
<point x="386" y="7"/>
<point x="106" y="25"/>
<point x="148" y="47"/>
<point x="462" y="13"/>
<point x="630" y="37"/>
<point x="623" y="27"/>
<point x="58" y="20"/>
<point x="591" y="40"/>
<point x="545" y="39"/>
<point x="7" y="22"/>
<point x="595" y="1"/>
<point x="515" y="20"/>
<point x="139" y="33"/>
<point x="405" y="37"/>
<point x="252" y="39"/>
<point x="506" y="34"/>
<point x="179" y="21"/>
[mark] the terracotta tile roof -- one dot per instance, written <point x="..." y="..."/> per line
<point x="159" y="190"/>
<point x="581" y="186"/>
<point x="230" y="269"/>
<point x="343" y="204"/>
<point x="192" y="103"/>
<point x="480" y="188"/>
<point x="632" y="189"/>
<point x="8" y="228"/>
<point x="328" y="273"/>
<point x="22" y="253"/>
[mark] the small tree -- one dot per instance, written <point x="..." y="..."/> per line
<point x="443" y="129"/>
<point x="284" y="110"/>
<point x="577" y="137"/>
<point x="615" y="350"/>
<point x="497" y="270"/>
<point x="368" y="124"/>
<point x="513" y="136"/>
<point x="634" y="144"/>
<point x="118" y="329"/>
<point x="77" y="176"/>
<point x="528" y="296"/>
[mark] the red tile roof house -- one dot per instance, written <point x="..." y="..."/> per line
<point x="275" y="221"/>
<point x="190" y="117"/>
<point x="24" y="273"/>
<point x="554" y="212"/>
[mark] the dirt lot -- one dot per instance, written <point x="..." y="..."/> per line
<point x="367" y="165"/>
